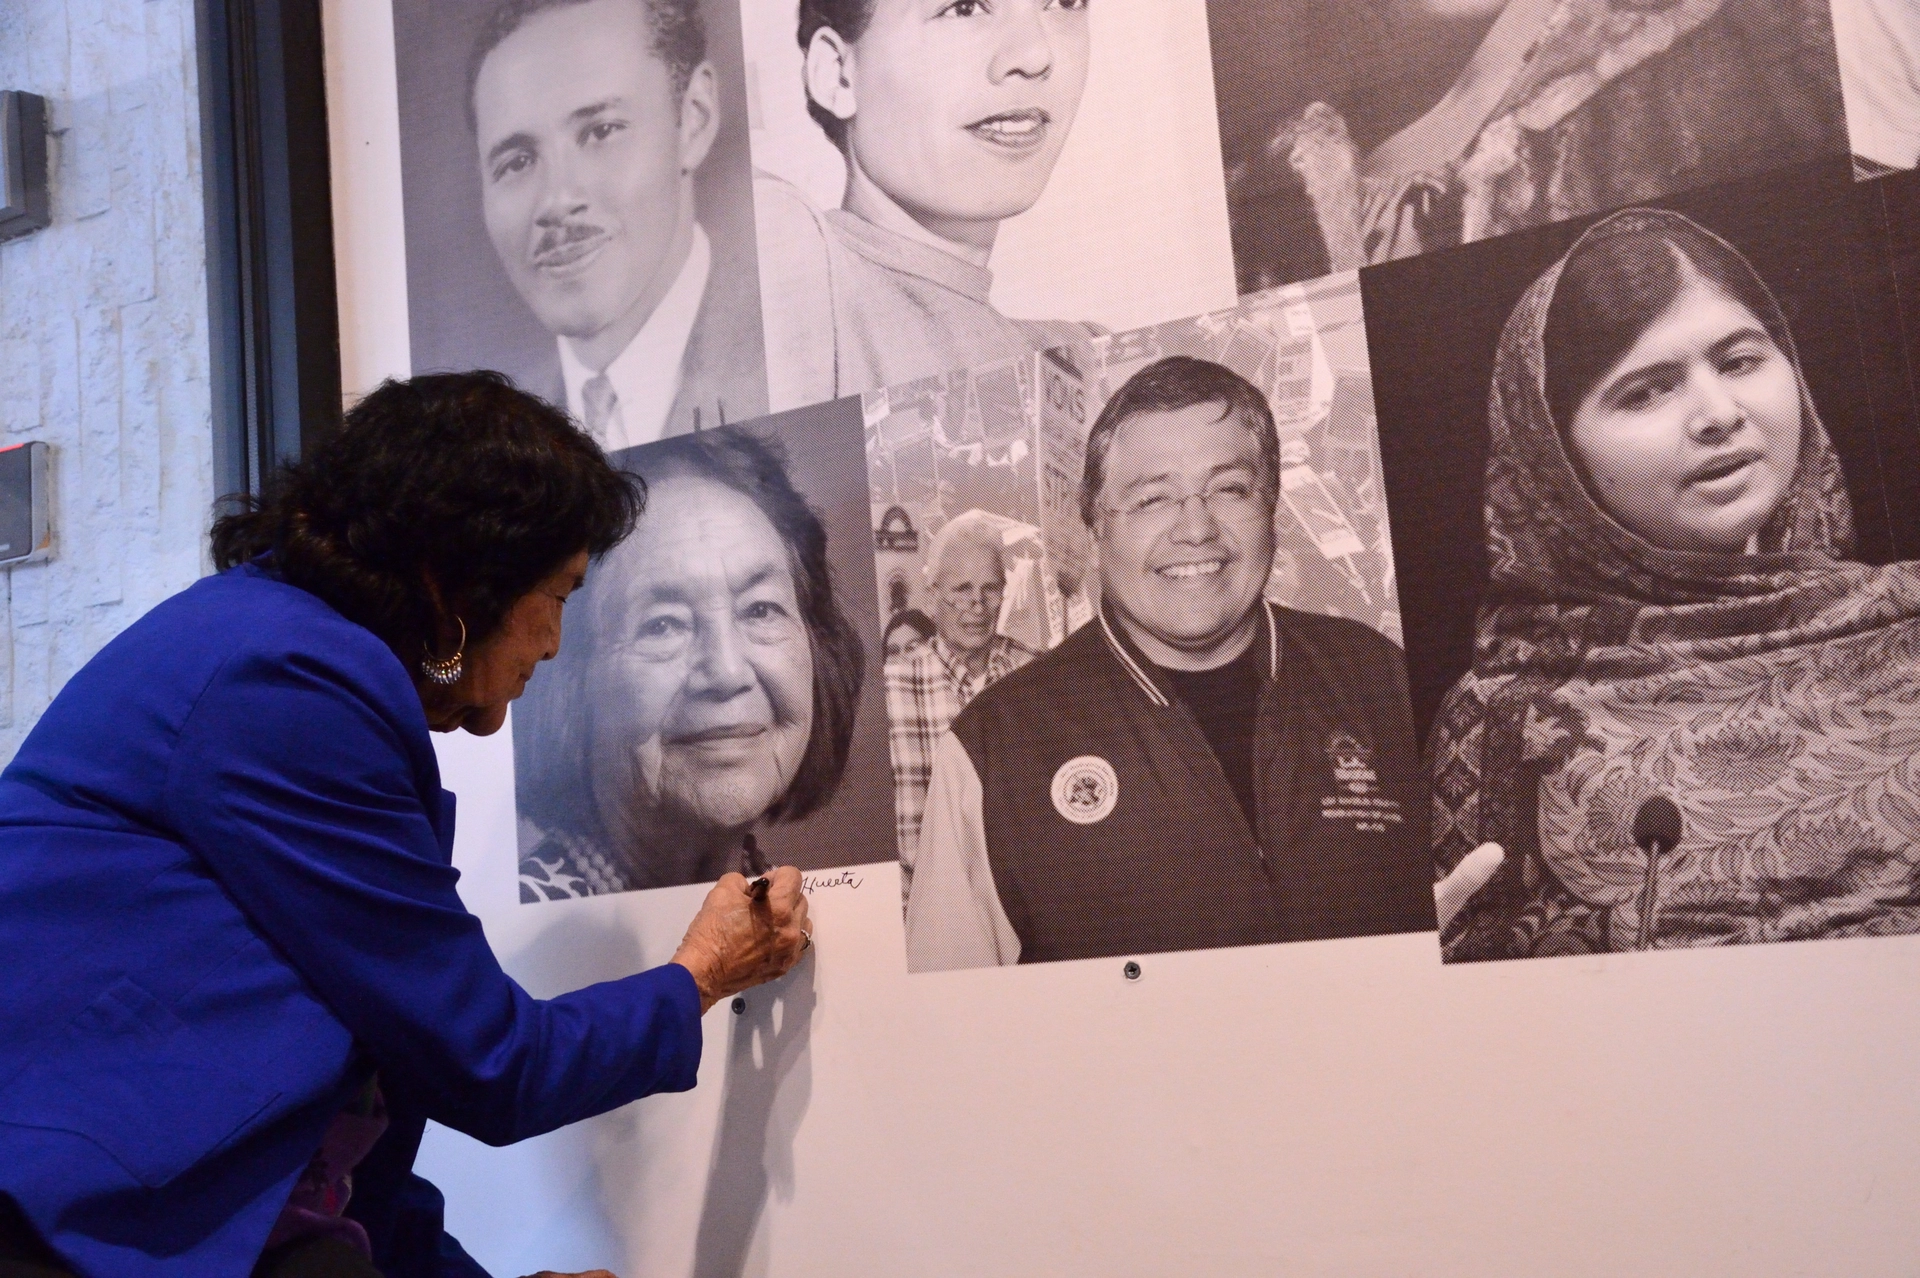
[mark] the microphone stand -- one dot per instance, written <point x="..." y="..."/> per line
<point x="1655" y="848"/>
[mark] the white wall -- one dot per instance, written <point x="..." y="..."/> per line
<point x="103" y="333"/>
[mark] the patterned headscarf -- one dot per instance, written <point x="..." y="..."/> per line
<point x="1774" y="697"/>
<point x="1549" y="541"/>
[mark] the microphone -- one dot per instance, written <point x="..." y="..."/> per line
<point x="1656" y="829"/>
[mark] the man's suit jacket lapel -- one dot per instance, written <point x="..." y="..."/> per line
<point x="723" y="372"/>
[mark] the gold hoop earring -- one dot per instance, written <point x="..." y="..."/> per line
<point x="447" y="670"/>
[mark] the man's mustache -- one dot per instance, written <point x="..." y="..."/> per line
<point x="559" y="237"/>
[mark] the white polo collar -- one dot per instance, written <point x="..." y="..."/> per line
<point x="1137" y="668"/>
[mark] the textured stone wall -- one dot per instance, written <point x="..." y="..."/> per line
<point x="103" y="333"/>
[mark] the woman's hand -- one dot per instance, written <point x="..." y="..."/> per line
<point x="1468" y="877"/>
<point x="737" y="942"/>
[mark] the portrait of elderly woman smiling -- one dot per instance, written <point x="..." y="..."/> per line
<point x="950" y="116"/>
<point x="712" y="690"/>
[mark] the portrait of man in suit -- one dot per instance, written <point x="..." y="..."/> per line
<point x="594" y="237"/>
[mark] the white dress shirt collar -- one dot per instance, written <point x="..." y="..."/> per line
<point x="646" y="375"/>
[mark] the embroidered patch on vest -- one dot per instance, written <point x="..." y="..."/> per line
<point x="1356" y="796"/>
<point x="1352" y="763"/>
<point x="1086" y="789"/>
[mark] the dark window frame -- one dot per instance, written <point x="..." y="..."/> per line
<point x="272" y="302"/>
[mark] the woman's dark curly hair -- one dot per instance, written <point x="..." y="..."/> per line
<point x="460" y="480"/>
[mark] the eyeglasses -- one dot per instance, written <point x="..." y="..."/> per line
<point x="1156" y="509"/>
<point x="971" y="596"/>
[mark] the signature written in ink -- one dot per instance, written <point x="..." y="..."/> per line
<point x="845" y="879"/>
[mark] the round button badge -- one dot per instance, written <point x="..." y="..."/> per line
<point x="1086" y="789"/>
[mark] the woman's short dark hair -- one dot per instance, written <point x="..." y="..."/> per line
<point x="458" y="479"/>
<point x="1617" y="283"/>
<point x="756" y="467"/>
<point x="913" y="619"/>
<point x="1167" y="386"/>
<point x="848" y="19"/>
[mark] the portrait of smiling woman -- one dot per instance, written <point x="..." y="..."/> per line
<point x="710" y="689"/>
<point x="1691" y="717"/>
<point x="949" y="116"/>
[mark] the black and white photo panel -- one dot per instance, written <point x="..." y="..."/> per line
<point x="1879" y="47"/>
<point x="1363" y="131"/>
<point x="1671" y="455"/>
<point x="716" y="702"/>
<point x="578" y="206"/>
<point x="1144" y="683"/>
<point x="944" y="185"/>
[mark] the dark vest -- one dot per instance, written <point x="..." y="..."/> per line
<point x="1111" y="828"/>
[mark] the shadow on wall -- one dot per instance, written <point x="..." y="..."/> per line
<point x="769" y="1081"/>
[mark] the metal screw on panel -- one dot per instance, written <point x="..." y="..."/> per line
<point x="1131" y="971"/>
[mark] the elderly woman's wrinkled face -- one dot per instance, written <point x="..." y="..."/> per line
<point x="1693" y="438"/>
<point x="961" y="106"/>
<point x="497" y="668"/>
<point x="704" y="691"/>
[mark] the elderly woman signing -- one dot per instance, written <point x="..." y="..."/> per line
<point x="239" y="977"/>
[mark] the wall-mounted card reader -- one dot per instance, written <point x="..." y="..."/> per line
<point x="26" y="503"/>
<point x="23" y="163"/>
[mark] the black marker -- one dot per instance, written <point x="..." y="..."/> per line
<point x="754" y="866"/>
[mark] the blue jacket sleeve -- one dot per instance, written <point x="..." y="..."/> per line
<point x="302" y="781"/>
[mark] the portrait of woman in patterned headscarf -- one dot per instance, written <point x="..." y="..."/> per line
<point x="1673" y="618"/>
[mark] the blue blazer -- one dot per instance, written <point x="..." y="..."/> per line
<point x="226" y="894"/>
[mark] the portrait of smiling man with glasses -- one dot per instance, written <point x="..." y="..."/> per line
<point x="1199" y="767"/>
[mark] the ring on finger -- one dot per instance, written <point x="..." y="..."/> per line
<point x="806" y="940"/>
